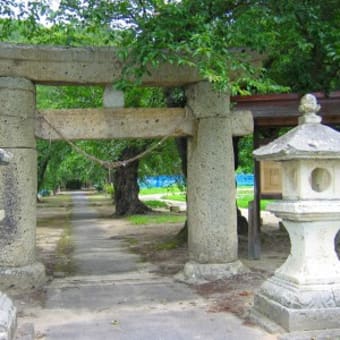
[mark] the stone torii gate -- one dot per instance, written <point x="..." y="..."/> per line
<point x="207" y="122"/>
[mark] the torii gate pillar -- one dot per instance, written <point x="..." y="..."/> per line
<point x="18" y="266"/>
<point x="212" y="220"/>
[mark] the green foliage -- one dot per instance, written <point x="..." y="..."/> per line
<point x="300" y="39"/>
<point x="108" y="189"/>
<point x="305" y="51"/>
<point x="69" y="97"/>
<point x="246" y="161"/>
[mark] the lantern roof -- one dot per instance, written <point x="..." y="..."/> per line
<point x="309" y="140"/>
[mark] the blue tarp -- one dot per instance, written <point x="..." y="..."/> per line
<point x="164" y="181"/>
<point x="161" y="181"/>
<point x="244" y="180"/>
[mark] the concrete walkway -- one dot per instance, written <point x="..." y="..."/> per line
<point x="115" y="296"/>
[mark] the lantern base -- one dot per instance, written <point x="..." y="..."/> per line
<point x="298" y="307"/>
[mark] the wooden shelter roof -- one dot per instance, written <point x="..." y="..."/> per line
<point x="280" y="110"/>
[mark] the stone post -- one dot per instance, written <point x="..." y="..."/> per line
<point x="304" y="293"/>
<point x="212" y="224"/>
<point x="8" y="316"/>
<point x="18" y="182"/>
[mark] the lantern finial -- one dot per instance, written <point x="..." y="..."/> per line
<point x="309" y="107"/>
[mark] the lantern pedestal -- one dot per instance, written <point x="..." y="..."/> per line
<point x="304" y="293"/>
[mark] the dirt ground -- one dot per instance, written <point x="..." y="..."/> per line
<point x="154" y="244"/>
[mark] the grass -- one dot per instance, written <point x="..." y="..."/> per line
<point x="62" y="259"/>
<point x="155" y="204"/>
<point x="168" y="245"/>
<point x="65" y="248"/>
<point x="244" y="202"/>
<point x="244" y="196"/>
<point x="175" y="197"/>
<point x="63" y="200"/>
<point x="167" y="190"/>
<point x="156" y="219"/>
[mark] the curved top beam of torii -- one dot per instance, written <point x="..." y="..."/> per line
<point x="86" y="66"/>
<point x="80" y="66"/>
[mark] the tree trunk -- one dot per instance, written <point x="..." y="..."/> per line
<point x="126" y="187"/>
<point x="41" y="171"/>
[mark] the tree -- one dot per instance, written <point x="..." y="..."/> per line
<point x="126" y="185"/>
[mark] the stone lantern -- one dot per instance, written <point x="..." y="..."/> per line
<point x="304" y="293"/>
<point x="7" y="309"/>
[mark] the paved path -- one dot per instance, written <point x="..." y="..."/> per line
<point x="114" y="296"/>
<point x="95" y="253"/>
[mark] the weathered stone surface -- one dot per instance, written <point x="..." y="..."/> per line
<point x="18" y="183"/>
<point x="108" y="123"/>
<point x="312" y="260"/>
<point x="212" y="233"/>
<point x="25" y="332"/>
<point x="23" y="278"/>
<point x="242" y="122"/>
<point x="112" y="97"/>
<point x="17" y="113"/>
<point x="197" y="273"/>
<point x="7" y="318"/>
<point x="307" y="210"/>
<point x="297" y="319"/>
<point x="325" y="144"/>
<point x="4" y="159"/>
<point x="325" y="334"/>
<point x="311" y="180"/>
<point x="205" y="102"/>
<point x="211" y="193"/>
<point x="17" y="232"/>
<point x="81" y="65"/>
<point x="301" y="296"/>
<point x="115" y="123"/>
